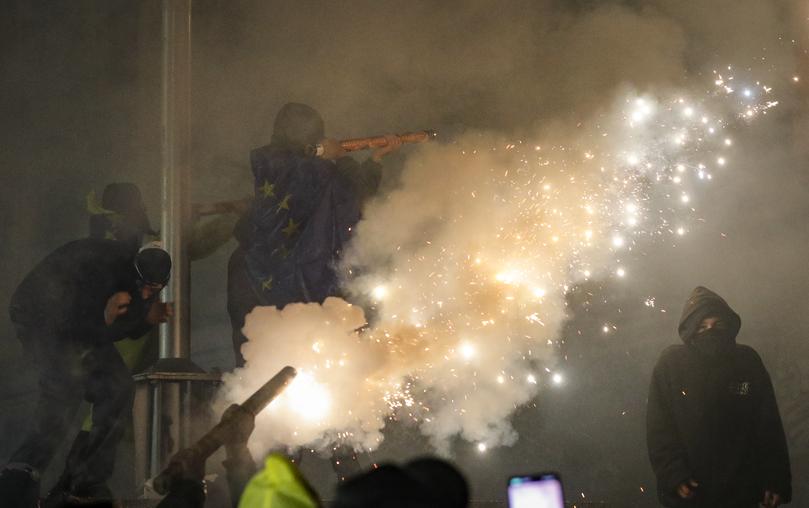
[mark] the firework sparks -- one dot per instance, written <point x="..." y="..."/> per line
<point x="478" y="302"/>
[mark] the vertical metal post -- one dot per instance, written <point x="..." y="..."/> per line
<point x="156" y="458"/>
<point x="175" y="336"/>
<point x="176" y="147"/>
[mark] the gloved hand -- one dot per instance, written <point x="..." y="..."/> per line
<point x="244" y="422"/>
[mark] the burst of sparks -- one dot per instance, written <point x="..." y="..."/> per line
<point x="666" y="149"/>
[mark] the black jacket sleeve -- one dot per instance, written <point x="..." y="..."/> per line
<point x="185" y="494"/>
<point x="667" y="453"/>
<point x="89" y="324"/>
<point x="771" y="443"/>
<point x="239" y="468"/>
<point x="365" y="177"/>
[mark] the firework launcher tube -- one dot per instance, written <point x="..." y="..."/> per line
<point x="217" y="436"/>
<point x="356" y="144"/>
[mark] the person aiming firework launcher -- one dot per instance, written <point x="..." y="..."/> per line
<point x="356" y="144"/>
<point x="217" y="436"/>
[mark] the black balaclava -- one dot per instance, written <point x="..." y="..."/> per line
<point x="153" y="264"/>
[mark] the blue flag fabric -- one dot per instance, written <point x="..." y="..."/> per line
<point x="304" y="211"/>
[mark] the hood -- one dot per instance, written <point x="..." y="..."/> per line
<point x="296" y="126"/>
<point x="705" y="303"/>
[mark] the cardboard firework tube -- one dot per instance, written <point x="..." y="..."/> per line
<point x="216" y="437"/>
<point x="355" y="144"/>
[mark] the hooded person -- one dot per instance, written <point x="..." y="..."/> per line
<point x="304" y="209"/>
<point x="68" y="312"/>
<point x="714" y="433"/>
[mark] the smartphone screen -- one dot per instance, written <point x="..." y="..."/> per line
<point x="536" y="491"/>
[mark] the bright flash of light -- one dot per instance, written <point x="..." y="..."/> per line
<point x="482" y="447"/>
<point x="379" y="292"/>
<point x="467" y="351"/>
<point x="508" y="277"/>
<point x="307" y="398"/>
<point x="620" y="272"/>
<point x="557" y="378"/>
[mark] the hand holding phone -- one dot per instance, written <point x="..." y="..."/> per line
<point x="542" y="490"/>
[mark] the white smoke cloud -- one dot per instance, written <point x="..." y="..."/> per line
<point x="468" y="261"/>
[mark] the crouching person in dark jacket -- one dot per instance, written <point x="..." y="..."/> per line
<point x="714" y="433"/>
<point x="68" y="312"/>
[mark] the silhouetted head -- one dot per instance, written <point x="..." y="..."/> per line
<point x="153" y="267"/>
<point x="705" y="310"/>
<point x="426" y="482"/>
<point x="120" y="215"/>
<point x="708" y="324"/>
<point x="296" y="126"/>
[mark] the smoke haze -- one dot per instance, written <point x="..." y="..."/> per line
<point x="80" y="97"/>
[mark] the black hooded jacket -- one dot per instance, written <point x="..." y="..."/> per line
<point x="66" y="293"/>
<point x="712" y="417"/>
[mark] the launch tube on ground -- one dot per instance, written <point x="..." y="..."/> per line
<point x="216" y="437"/>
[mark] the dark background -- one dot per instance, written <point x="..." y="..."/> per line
<point x="80" y="107"/>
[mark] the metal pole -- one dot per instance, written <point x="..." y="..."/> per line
<point x="176" y="147"/>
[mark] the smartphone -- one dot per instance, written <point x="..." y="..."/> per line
<point x="542" y="490"/>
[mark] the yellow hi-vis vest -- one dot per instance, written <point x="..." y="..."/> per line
<point x="278" y="485"/>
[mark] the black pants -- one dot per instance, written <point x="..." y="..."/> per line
<point x="69" y="373"/>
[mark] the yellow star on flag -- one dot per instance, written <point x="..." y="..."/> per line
<point x="291" y="229"/>
<point x="268" y="189"/>
<point x="283" y="251"/>
<point x="284" y="204"/>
